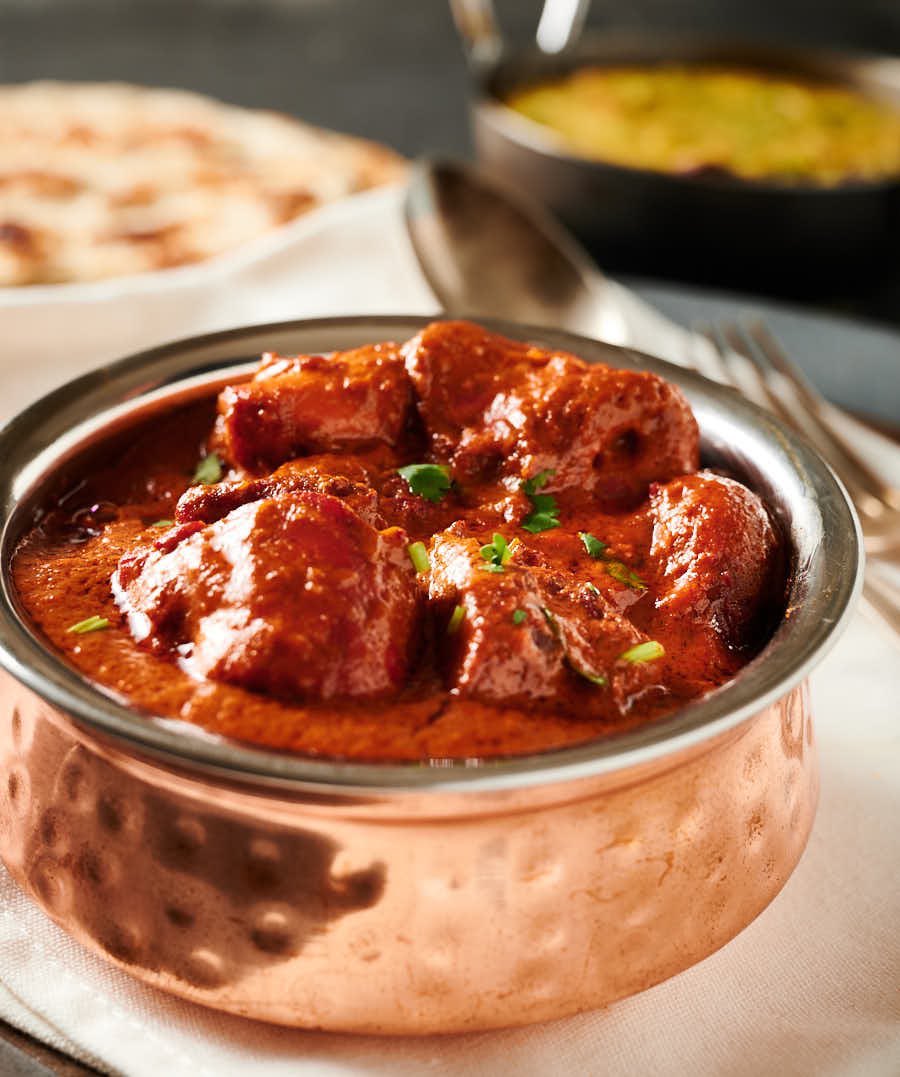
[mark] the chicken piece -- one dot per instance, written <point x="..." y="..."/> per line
<point x="493" y="406"/>
<point x="595" y="639"/>
<point x="531" y="635"/>
<point x="294" y="596"/>
<point x="370" y="485"/>
<point x="489" y="656"/>
<point x="418" y="516"/>
<point x="303" y="404"/>
<point x="616" y="567"/>
<point x="716" y="555"/>
<point x="346" y="477"/>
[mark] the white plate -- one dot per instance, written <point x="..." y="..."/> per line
<point x="348" y="257"/>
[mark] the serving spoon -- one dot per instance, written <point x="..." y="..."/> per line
<point x="488" y="251"/>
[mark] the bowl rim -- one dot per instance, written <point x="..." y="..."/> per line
<point x="821" y="598"/>
<point x="543" y="141"/>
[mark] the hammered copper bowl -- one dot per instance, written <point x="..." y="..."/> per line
<point x="438" y="897"/>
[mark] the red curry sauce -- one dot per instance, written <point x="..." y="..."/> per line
<point x="463" y="546"/>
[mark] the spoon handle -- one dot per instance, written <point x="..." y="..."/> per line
<point x="560" y="25"/>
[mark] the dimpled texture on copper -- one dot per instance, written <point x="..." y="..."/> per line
<point x="426" y="915"/>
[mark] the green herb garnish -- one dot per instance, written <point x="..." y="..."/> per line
<point x="594" y="678"/>
<point x="209" y="471"/>
<point x="648" y="651"/>
<point x="546" y="512"/>
<point x="624" y="574"/>
<point x="456" y="619"/>
<point x="430" y="481"/>
<point x="163" y="524"/>
<point x="496" y="553"/>
<point x="418" y="554"/>
<point x="617" y="569"/>
<point x="593" y="588"/>
<point x="537" y="482"/>
<point x="89" y="624"/>
<point x="519" y="617"/>
<point x="593" y="545"/>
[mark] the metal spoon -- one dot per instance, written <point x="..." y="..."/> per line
<point x="489" y="252"/>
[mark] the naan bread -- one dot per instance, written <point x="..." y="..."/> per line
<point x="103" y="180"/>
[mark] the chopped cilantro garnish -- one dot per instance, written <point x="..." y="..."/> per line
<point x="496" y="553"/>
<point x="647" y="651"/>
<point x="209" y="470"/>
<point x="163" y="523"/>
<point x="593" y="545"/>
<point x="541" y="519"/>
<point x="89" y="624"/>
<point x="625" y="575"/>
<point x="537" y="482"/>
<point x="456" y="619"/>
<point x="430" y="481"/>
<point x="419" y="556"/>
<point x="599" y="551"/>
<point x="594" y="678"/>
<point x="519" y="617"/>
<point x="545" y="514"/>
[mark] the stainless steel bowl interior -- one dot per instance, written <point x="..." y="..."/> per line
<point x="808" y="501"/>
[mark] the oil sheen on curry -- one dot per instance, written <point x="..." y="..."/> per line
<point x="461" y="546"/>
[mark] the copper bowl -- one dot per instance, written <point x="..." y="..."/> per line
<point x="437" y="897"/>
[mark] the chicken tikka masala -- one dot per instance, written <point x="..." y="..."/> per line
<point x="463" y="546"/>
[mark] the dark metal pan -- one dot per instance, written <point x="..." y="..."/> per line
<point x="712" y="228"/>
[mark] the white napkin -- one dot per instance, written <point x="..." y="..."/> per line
<point x="812" y="987"/>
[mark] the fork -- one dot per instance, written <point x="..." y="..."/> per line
<point x="748" y="358"/>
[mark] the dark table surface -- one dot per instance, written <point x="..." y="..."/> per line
<point x="388" y="69"/>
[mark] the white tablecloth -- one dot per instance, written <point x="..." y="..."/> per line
<point x="811" y="988"/>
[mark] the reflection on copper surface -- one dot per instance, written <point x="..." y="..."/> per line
<point x="422" y="918"/>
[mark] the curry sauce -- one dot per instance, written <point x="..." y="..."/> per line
<point x="458" y="547"/>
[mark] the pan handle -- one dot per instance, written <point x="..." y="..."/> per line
<point x="560" y="25"/>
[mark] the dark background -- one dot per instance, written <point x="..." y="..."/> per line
<point x="389" y="69"/>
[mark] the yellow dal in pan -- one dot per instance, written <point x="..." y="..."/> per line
<point x="682" y="119"/>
